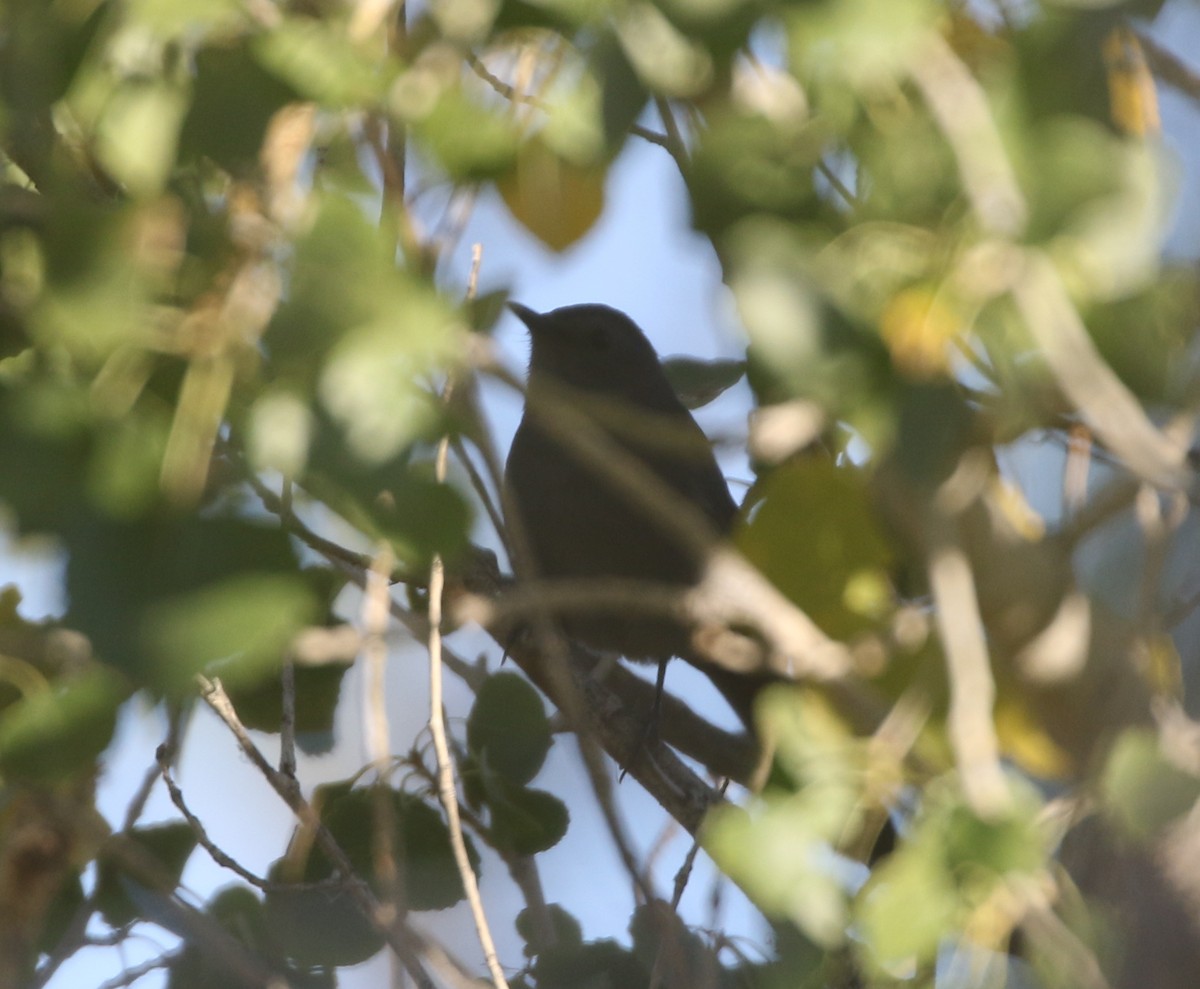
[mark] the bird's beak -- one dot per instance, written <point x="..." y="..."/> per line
<point x="533" y="320"/>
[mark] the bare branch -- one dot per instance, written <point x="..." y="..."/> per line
<point x="972" y="690"/>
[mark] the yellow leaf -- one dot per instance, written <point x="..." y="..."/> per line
<point x="1132" y="98"/>
<point x="917" y="325"/>
<point x="1025" y="743"/>
<point x="555" y="200"/>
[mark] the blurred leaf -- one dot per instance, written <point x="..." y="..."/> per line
<point x="858" y="42"/>
<point x="810" y="527"/>
<point x="933" y="427"/>
<point x="317" y="691"/>
<point x="165" y="848"/>
<point x="507" y="728"/>
<point x="61" y="913"/>
<point x="667" y="62"/>
<point x="395" y="501"/>
<point x="1026" y="742"/>
<point x="239" y="911"/>
<point x="1131" y="89"/>
<point x="468" y="140"/>
<point x="746" y="164"/>
<point x="1142" y="790"/>
<point x="233" y="99"/>
<point x="784" y="866"/>
<point x="362" y="334"/>
<point x="323" y="64"/>
<point x="893" y="929"/>
<point x="468" y="21"/>
<point x="698" y="382"/>
<point x="177" y="18"/>
<point x="1145" y="337"/>
<point x="95" y="301"/>
<point x="485" y="309"/>
<point x="622" y="95"/>
<point x="244" y="622"/>
<point x="137" y="136"/>
<point x="59" y="732"/>
<point x="920" y="327"/>
<point x="778" y="849"/>
<point x="555" y="200"/>
<point x="123" y="477"/>
<point x="162" y="598"/>
<point x="951" y="864"/>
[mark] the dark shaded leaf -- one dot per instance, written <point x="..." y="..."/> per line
<point x="507" y="728"/>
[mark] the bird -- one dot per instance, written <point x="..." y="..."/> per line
<point x="574" y="522"/>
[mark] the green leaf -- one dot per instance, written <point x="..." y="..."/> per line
<point x="623" y="97"/>
<point x="320" y="926"/>
<point x="317" y="691"/>
<point x="233" y="100"/>
<point x="858" y="42"/>
<point x="698" y="382"/>
<point x="165" y="849"/>
<point x="323" y="64"/>
<point x="243" y="623"/>
<point x="243" y="915"/>
<point x="137" y="136"/>
<point x="507" y="728"/>
<point x="666" y="61"/>
<point x="568" y="933"/>
<point x="468" y="140"/>
<point x="783" y="862"/>
<point x="527" y="821"/>
<point x="421" y="838"/>
<point x="600" y="964"/>
<point x="1141" y="789"/>
<point x="161" y="598"/>
<point x="59" y="732"/>
<point x="893" y="930"/>
<point x="812" y="530"/>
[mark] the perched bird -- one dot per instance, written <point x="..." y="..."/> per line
<point x="575" y="521"/>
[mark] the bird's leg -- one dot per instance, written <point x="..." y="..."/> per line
<point x="650" y="730"/>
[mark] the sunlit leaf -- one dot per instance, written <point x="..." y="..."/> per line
<point x="136" y="137"/>
<point x="322" y="63"/>
<point x="811" y="529"/>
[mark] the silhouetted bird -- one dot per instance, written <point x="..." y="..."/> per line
<point x="595" y="361"/>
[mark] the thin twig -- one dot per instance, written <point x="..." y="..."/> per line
<point x="130" y="975"/>
<point x="214" y="695"/>
<point x="287" y="720"/>
<point x="676" y="146"/>
<point x="218" y="854"/>
<point x="446" y="785"/>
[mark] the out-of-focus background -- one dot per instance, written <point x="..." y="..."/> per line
<point x="646" y="253"/>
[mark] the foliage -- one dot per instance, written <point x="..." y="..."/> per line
<point x="221" y="319"/>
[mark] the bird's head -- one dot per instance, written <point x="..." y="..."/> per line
<point x="593" y="348"/>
